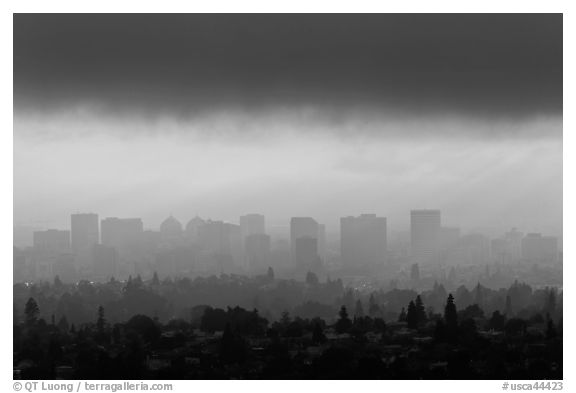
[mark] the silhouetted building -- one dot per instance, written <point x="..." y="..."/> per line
<point x="425" y="235"/>
<point x="52" y="240"/>
<point x="474" y="249"/>
<point x="538" y="248"/>
<point x="84" y="234"/>
<point x="306" y="253"/>
<point x="363" y="240"/>
<point x="252" y="224"/>
<point x="507" y="248"/>
<point x="301" y="227"/>
<point x="124" y="234"/>
<point x="257" y="252"/>
<point x="193" y="228"/>
<point x="221" y="242"/>
<point x="105" y="262"/>
<point x="171" y="231"/>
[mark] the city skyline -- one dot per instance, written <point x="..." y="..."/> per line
<point x="340" y="114"/>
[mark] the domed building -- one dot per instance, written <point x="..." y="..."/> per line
<point x="193" y="227"/>
<point x="171" y="230"/>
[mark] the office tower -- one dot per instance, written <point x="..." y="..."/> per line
<point x="252" y="224"/>
<point x="363" y="240"/>
<point x="257" y="252"/>
<point x="514" y="243"/>
<point x="171" y="231"/>
<point x="84" y="234"/>
<point x="221" y="240"/>
<point x="301" y="227"/>
<point x="105" y="264"/>
<point x="538" y="248"/>
<point x="424" y="235"/>
<point x="306" y="253"/>
<point x="52" y="241"/>
<point x="474" y="249"/>
<point x="321" y="241"/>
<point x="124" y="234"/>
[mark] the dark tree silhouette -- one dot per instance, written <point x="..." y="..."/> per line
<point x="450" y="314"/>
<point x="100" y="321"/>
<point x="344" y="323"/>
<point x="155" y="279"/>
<point x="420" y="311"/>
<point x="412" y="315"/>
<point x="402" y="316"/>
<point x="31" y="312"/>
<point x="312" y="279"/>
<point x="318" y="334"/>
<point x="270" y="273"/>
<point x="359" y="310"/>
<point x="373" y="307"/>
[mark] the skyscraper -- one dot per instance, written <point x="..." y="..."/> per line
<point x="363" y="240"/>
<point x="124" y="234"/>
<point x="425" y="235"/>
<point x="257" y="252"/>
<point x="302" y="227"/>
<point x="52" y="240"/>
<point x="252" y="224"/>
<point x="84" y="233"/>
<point x="306" y="253"/>
<point x="538" y="248"/>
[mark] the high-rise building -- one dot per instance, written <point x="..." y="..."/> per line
<point x="363" y="240"/>
<point x="538" y="248"/>
<point x="252" y="224"/>
<point x="84" y="234"/>
<point x="425" y="235"/>
<point x="306" y="253"/>
<point x="217" y="238"/>
<point x="52" y="240"/>
<point x="124" y="234"/>
<point x="302" y="227"/>
<point x="257" y="252"/>
<point x="105" y="260"/>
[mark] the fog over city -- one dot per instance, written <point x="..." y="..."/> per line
<point x="324" y="116"/>
<point x="288" y="196"/>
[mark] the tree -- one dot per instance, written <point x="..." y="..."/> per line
<point x="373" y="307"/>
<point x="415" y="272"/>
<point x="508" y="306"/>
<point x="402" y="316"/>
<point x="57" y="282"/>
<point x="270" y="273"/>
<point x="318" y="334"/>
<point x="312" y="279"/>
<point x="155" y="279"/>
<point x="344" y="323"/>
<point x="359" y="311"/>
<point x="550" y="328"/>
<point x="101" y="321"/>
<point x="63" y="325"/>
<point x="420" y="311"/>
<point x="497" y="321"/>
<point x="412" y="315"/>
<point x="450" y="314"/>
<point x="31" y="312"/>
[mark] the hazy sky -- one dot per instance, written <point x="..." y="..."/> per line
<point x="321" y="115"/>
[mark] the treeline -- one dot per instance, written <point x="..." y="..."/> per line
<point x="169" y="299"/>
<point x="243" y="344"/>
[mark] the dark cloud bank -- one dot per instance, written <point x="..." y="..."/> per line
<point x="478" y="65"/>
